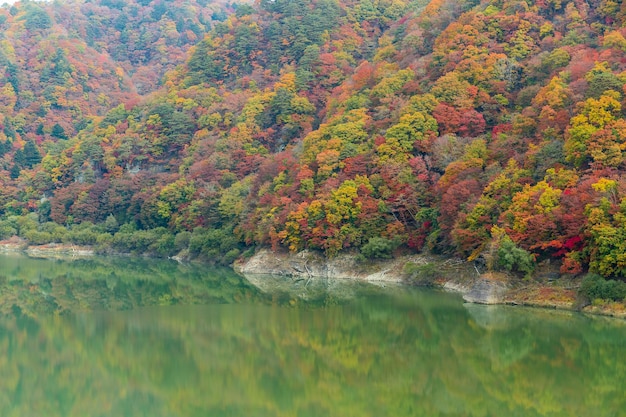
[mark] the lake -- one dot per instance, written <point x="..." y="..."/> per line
<point x="133" y="337"/>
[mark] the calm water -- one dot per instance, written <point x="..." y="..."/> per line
<point x="121" y="337"/>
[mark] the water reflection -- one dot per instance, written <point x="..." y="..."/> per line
<point x="352" y="351"/>
<point x="34" y="286"/>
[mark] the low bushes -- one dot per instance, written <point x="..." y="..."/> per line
<point x="213" y="245"/>
<point x="379" y="248"/>
<point x="420" y="274"/>
<point x="595" y="287"/>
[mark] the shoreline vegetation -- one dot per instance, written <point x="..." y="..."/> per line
<point x="545" y="288"/>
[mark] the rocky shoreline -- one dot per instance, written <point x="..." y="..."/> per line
<point x="51" y="250"/>
<point x="548" y="289"/>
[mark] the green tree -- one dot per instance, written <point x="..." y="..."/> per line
<point x="505" y="255"/>
<point x="36" y="18"/>
<point x="379" y="248"/>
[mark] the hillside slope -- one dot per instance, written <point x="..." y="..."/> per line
<point x="63" y="63"/>
<point x="494" y="130"/>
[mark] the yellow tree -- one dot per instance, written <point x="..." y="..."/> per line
<point x="594" y="115"/>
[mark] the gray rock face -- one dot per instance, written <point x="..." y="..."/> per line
<point x="309" y="264"/>
<point x="485" y="291"/>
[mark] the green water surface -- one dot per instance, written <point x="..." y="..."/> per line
<point x="132" y="337"/>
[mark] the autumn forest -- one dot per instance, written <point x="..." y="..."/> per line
<point x="490" y="129"/>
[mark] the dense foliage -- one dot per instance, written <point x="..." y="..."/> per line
<point x="62" y="64"/>
<point x="595" y="287"/>
<point x="487" y="129"/>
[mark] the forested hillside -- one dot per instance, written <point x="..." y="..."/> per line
<point x="61" y="64"/>
<point x="486" y="129"/>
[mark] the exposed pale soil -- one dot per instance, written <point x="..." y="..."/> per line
<point x="50" y="250"/>
<point x="547" y="289"/>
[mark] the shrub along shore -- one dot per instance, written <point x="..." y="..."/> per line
<point x="211" y="246"/>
